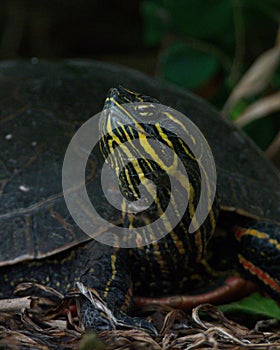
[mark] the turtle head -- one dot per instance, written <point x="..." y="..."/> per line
<point x="120" y="95"/>
<point x="122" y="120"/>
<point x="123" y="107"/>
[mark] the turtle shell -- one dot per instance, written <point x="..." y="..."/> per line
<point x="43" y="104"/>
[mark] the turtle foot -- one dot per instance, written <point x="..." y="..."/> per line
<point x="98" y="321"/>
<point x="138" y="323"/>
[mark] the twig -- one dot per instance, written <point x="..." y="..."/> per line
<point x="14" y="304"/>
<point x="274" y="149"/>
<point x="261" y="108"/>
<point x="255" y="79"/>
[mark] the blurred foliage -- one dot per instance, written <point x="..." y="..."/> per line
<point x="208" y="46"/>
<point x="254" y="304"/>
<point x="204" y="46"/>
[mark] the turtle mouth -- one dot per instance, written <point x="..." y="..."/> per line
<point x="115" y="114"/>
<point x="123" y="95"/>
<point x="116" y="96"/>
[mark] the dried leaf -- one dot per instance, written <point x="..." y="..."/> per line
<point x="259" y="109"/>
<point x="169" y="321"/>
<point x="255" y="79"/>
<point x="273" y="151"/>
<point x="56" y="329"/>
<point x="15" y="304"/>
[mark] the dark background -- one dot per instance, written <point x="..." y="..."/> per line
<point x="120" y="31"/>
<point x="104" y="30"/>
<point x="203" y="46"/>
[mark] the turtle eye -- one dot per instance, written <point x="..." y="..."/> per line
<point x="146" y="109"/>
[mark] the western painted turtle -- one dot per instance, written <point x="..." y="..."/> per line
<point x="43" y="104"/>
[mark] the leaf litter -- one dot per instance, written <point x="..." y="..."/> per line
<point x="49" y="321"/>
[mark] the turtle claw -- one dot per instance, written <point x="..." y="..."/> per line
<point x="138" y="323"/>
<point x="98" y="321"/>
<point x="145" y="325"/>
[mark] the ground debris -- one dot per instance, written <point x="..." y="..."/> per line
<point x="49" y="321"/>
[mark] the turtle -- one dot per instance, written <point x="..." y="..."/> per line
<point x="43" y="106"/>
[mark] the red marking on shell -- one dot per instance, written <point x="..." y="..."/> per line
<point x="262" y="275"/>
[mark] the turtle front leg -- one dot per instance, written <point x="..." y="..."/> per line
<point x="259" y="254"/>
<point x="106" y="281"/>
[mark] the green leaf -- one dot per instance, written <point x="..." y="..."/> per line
<point x="187" y="67"/>
<point x="263" y="130"/>
<point x="269" y="8"/>
<point x="254" y="304"/>
<point x="157" y="22"/>
<point x="190" y="18"/>
<point x="238" y="108"/>
<point x="199" y="18"/>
